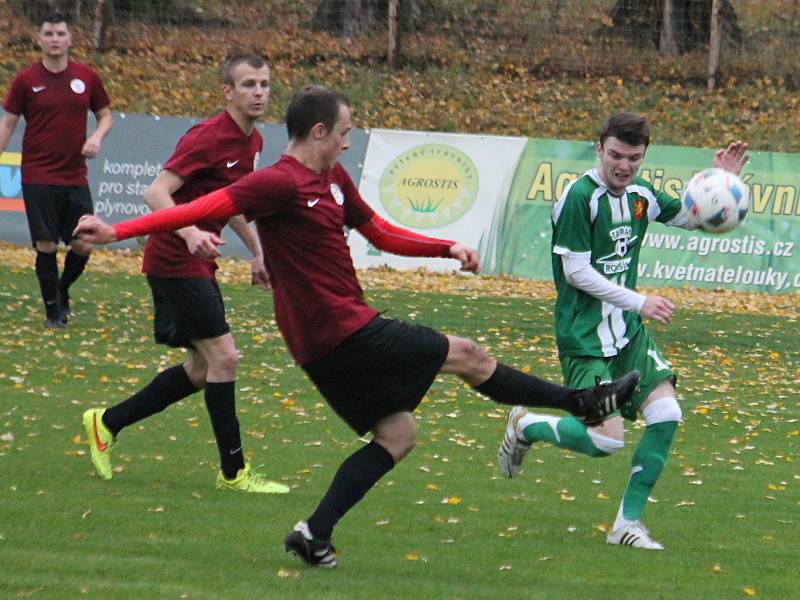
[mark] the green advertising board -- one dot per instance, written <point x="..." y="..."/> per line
<point x="758" y="256"/>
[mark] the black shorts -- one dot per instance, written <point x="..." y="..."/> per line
<point x="53" y="210"/>
<point x="384" y="368"/>
<point x="186" y="310"/>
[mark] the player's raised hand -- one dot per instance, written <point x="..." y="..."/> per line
<point x="732" y="158"/>
<point x="657" y="308"/>
<point x="94" y="230"/>
<point x="470" y="261"/>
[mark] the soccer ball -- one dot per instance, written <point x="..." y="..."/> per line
<point x="717" y="200"/>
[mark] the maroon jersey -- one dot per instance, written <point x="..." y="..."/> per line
<point x="211" y="155"/>
<point x="300" y="216"/>
<point x="55" y="106"/>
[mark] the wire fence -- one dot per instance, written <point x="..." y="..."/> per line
<point x="630" y="38"/>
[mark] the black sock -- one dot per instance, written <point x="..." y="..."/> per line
<point x="509" y="386"/>
<point x="47" y="274"/>
<point x="221" y="406"/>
<point x="74" y="264"/>
<point x="166" y="388"/>
<point x="355" y="477"/>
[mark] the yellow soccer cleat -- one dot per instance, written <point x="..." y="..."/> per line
<point x="248" y="481"/>
<point x="100" y="441"/>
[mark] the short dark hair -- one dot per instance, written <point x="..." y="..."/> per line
<point x="311" y="105"/>
<point x="253" y="60"/>
<point x="626" y="127"/>
<point x="53" y="17"/>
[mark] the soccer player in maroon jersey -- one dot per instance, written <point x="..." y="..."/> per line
<point x="373" y="371"/>
<point x="54" y="96"/>
<point x="180" y="266"/>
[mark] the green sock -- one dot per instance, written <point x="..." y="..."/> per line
<point x="566" y="432"/>
<point x="647" y="463"/>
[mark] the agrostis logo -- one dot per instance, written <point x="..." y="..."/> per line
<point x="429" y="186"/>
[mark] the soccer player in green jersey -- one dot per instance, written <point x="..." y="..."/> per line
<point x="598" y="226"/>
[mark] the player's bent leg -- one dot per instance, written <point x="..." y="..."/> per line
<point x="662" y="415"/>
<point x="506" y="385"/>
<point x="74" y="265"/>
<point x="47" y="275"/>
<point x="222" y="358"/>
<point x="356" y="476"/>
<point x="524" y="428"/>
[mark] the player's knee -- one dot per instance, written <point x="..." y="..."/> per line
<point x="467" y="358"/>
<point x="46" y="247"/>
<point x="662" y="410"/>
<point x="81" y="248"/>
<point x="604" y="444"/>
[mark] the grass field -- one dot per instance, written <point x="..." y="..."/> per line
<point x="444" y="524"/>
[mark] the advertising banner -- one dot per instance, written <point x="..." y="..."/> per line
<point x="758" y="256"/>
<point x="438" y="184"/>
<point x="131" y="156"/>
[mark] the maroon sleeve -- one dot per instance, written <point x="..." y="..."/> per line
<point x="17" y="97"/>
<point x="191" y="155"/>
<point x="390" y="238"/>
<point x="214" y="206"/>
<point x="263" y="193"/>
<point x="356" y="210"/>
<point x="99" y="98"/>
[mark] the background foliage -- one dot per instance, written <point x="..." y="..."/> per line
<point x="544" y="69"/>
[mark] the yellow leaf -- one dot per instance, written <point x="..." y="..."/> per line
<point x="750" y="591"/>
<point x="412" y="556"/>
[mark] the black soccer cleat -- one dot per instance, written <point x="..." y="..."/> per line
<point x="314" y="552"/>
<point x="594" y="404"/>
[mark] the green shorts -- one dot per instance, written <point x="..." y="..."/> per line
<point x="641" y="353"/>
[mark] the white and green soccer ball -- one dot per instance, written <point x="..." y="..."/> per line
<point x="717" y="200"/>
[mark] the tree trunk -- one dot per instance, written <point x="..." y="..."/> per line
<point x="674" y="25"/>
<point x="100" y="25"/>
<point x="667" y="43"/>
<point x="393" y="51"/>
<point x="713" y="45"/>
<point x="349" y="18"/>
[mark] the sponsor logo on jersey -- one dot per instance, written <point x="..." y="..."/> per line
<point x="429" y="186"/>
<point x="337" y="194"/>
<point x="77" y="86"/>
<point x="231" y="163"/>
<point x="38" y="88"/>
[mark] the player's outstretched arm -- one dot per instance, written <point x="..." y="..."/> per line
<point x="391" y="238"/>
<point x="214" y="206"/>
<point x="732" y="158"/>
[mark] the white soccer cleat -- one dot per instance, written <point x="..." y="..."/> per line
<point x="513" y="448"/>
<point x="633" y="534"/>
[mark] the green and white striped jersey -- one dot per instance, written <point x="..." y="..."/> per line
<point x="588" y="220"/>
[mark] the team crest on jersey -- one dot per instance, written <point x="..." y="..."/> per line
<point x="337" y="194"/>
<point x="638" y="209"/>
<point x="77" y="86"/>
<point x="618" y="261"/>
